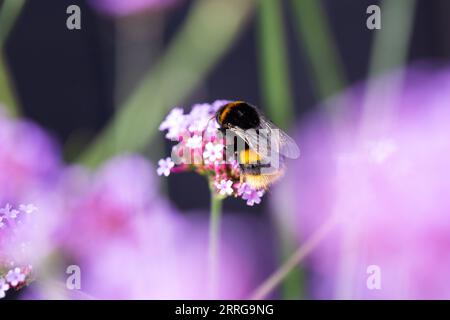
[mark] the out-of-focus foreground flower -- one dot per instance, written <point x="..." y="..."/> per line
<point x="28" y="159"/>
<point x="201" y="148"/>
<point x="14" y="268"/>
<point x="128" y="7"/>
<point x="131" y="244"/>
<point x="128" y="241"/>
<point x="388" y="182"/>
<point x="29" y="170"/>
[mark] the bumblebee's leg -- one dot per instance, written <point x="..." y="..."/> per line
<point x="242" y="176"/>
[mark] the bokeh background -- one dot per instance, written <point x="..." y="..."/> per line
<point x="343" y="91"/>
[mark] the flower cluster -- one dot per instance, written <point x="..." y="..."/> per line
<point x="202" y="148"/>
<point x="11" y="219"/>
<point x="14" y="278"/>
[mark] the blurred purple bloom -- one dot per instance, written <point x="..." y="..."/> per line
<point x="166" y="260"/>
<point x="9" y="212"/>
<point x="138" y="247"/>
<point x="28" y="159"/>
<point x="4" y="286"/>
<point x="28" y="208"/>
<point x="129" y="242"/>
<point x="29" y="172"/>
<point x="388" y="182"/>
<point x="106" y="204"/>
<point x="129" y="7"/>
<point x="15" y="276"/>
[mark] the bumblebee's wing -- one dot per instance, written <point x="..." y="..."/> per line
<point x="281" y="141"/>
<point x="267" y="139"/>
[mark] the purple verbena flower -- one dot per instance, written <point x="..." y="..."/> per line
<point x="252" y="197"/>
<point x="201" y="148"/>
<point x="15" y="277"/>
<point x="224" y="187"/>
<point x="4" y="286"/>
<point x="165" y="165"/>
<point x="194" y="142"/>
<point x="213" y="152"/>
<point x="174" y="124"/>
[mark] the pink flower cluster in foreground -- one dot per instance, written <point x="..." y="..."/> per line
<point x="201" y="149"/>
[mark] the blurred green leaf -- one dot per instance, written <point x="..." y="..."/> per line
<point x="390" y="52"/>
<point x="7" y="95"/>
<point x="319" y="45"/>
<point x="9" y="12"/>
<point x="210" y="29"/>
<point x="391" y="42"/>
<point x="276" y="87"/>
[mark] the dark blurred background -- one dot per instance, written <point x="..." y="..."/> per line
<point x="65" y="79"/>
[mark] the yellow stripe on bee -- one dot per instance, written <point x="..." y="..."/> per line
<point x="227" y="110"/>
<point x="248" y="157"/>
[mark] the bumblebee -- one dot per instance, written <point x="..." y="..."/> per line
<point x="262" y="159"/>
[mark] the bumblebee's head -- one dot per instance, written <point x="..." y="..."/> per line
<point x="237" y="114"/>
<point x="219" y="115"/>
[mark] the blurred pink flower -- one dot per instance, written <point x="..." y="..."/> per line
<point x="105" y="204"/>
<point x="168" y="260"/>
<point x="15" y="270"/>
<point x="130" y="244"/>
<point x="29" y="159"/>
<point x="128" y="7"/>
<point x="388" y="182"/>
<point x="29" y="172"/>
<point x="127" y="239"/>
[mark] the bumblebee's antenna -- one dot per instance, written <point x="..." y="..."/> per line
<point x="207" y="124"/>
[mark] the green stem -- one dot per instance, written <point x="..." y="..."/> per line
<point x="274" y="65"/>
<point x="214" y="241"/>
<point x="317" y="39"/>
